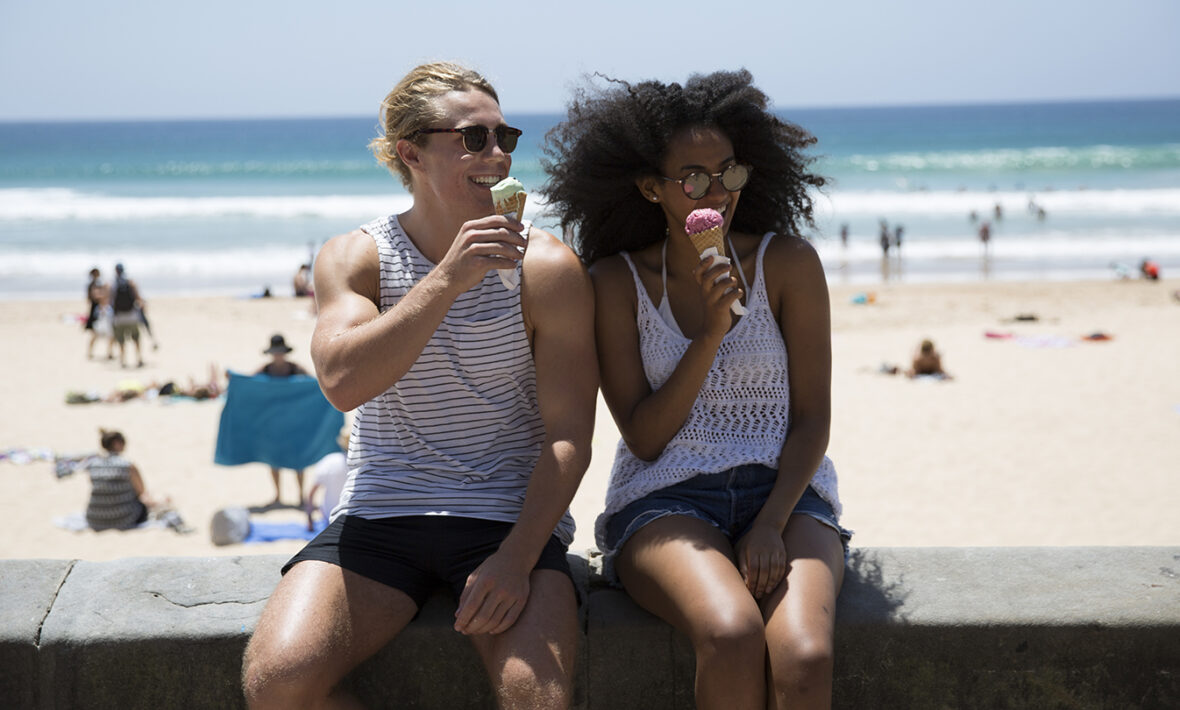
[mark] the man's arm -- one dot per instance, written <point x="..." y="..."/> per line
<point x="359" y="352"/>
<point x="559" y="310"/>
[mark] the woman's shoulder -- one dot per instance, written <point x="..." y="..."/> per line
<point x="791" y="251"/>
<point x="791" y="265"/>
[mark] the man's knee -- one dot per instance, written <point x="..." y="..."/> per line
<point x="525" y="685"/>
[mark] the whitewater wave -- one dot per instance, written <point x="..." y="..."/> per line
<point x="52" y="204"/>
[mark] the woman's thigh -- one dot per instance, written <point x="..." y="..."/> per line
<point x="803" y="607"/>
<point x="682" y="569"/>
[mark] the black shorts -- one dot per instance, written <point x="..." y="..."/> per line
<point x="418" y="554"/>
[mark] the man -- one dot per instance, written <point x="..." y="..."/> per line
<point x="475" y="410"/>
<point x="126" y="306"/>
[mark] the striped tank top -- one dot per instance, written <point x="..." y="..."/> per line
<point x="113" y="504"/>
<point x="460" y="432"/>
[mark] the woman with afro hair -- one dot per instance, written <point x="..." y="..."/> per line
<point x="722" y="513"/>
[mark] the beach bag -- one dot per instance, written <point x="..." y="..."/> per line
<point x="102" y="325"/>
<point x="124" y="300"/>
<point x="229" y="526"/>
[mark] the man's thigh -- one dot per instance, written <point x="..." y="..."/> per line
<point x="544" y="638"/>
<point x="321" y="622"/>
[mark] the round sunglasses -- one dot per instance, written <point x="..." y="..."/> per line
<point x="475" y="138"/>
<point x="696" y="185"/>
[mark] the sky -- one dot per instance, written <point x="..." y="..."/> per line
<point x="128" y="59"/>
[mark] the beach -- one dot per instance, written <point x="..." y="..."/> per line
<point x="1042" y="437"/>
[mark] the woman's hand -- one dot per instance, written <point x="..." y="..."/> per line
<point x="761" y="559"/>
<point x="719" y="289"/>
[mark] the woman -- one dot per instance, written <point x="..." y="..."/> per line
<point x="722" y="512"/>
<point x="118" y="499"/>
<point x="96" y="297"/>
<point x="280" y="366"/>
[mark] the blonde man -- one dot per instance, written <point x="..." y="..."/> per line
<point x="475" y="406"/>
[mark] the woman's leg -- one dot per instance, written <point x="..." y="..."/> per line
<point x="801" y="614"/>
<point x="274" y="476"/>
<point x="681" y="569"/>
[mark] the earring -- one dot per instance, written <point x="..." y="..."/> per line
<point x="654" y="198"/>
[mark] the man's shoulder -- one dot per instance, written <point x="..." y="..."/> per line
<point x="550" y="263"/>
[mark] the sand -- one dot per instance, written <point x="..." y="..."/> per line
<point x="1041" y="438"/>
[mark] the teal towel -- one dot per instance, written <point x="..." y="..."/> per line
<point x="285" y="422"/>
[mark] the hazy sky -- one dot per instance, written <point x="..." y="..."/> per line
<point x="253" y="58"/>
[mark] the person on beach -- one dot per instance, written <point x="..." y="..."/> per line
<point x="301" y="283"/>
<point x="474" y="412"/>
<point x="97" y="294"/>
<point x="118" y="498"/>
<point x="280" y="366"/>
<point x="127" y="308"/>
<point x="927" y="362"/>
<point x="722" y="510"/>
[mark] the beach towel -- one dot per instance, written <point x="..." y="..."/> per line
<point x="285" y="422"/>
<point x="269" y="532"/>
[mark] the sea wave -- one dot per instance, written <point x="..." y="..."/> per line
<point x="1147" y="202"/>
<point x="54" y="204"/>
<point x="1043" y="158"/>
<point x="66" y="204"/>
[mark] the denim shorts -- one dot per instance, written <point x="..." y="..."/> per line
<point x="729" y="501"/>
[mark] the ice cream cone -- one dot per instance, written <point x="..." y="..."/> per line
<point x="711" y="237"/>
<point x="514" y="203"/>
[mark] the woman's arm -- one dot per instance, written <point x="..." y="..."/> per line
<point x="798" y="293"/>
<point x="648" y="420"/>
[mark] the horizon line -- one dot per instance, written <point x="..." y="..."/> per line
<point x="537" y="112"/>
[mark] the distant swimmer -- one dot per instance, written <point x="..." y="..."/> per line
<point x="1150" y="270"/>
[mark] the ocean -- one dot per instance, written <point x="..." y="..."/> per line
<point x="1083" y="190"/>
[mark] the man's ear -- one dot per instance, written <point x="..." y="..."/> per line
<point x="408" y="152"/>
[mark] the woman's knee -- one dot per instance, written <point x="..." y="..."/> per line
<point x="735" y="633"/>
<point x="802" y="661"/>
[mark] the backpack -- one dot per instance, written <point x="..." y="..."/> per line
<point x="124" y="298"/>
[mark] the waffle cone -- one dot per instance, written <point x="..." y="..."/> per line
<point x="512" y="204"/>
<point x="709" y="238"/>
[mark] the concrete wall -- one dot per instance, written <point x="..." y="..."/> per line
<point x="916" y="628"/>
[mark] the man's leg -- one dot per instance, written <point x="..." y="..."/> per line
<point x="531" y="665"/>
<point x="319" y="624"/>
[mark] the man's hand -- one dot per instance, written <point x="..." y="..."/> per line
<point x="494" y="597"/>
<point x="492" y="242"/>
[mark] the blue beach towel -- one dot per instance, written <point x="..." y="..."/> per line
<point x="270" y="532"/>
<point x="285" y="422"/>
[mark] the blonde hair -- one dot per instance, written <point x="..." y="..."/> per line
<point x="410" y="107"/>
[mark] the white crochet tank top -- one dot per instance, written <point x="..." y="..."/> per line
<point x="741" y="415"/>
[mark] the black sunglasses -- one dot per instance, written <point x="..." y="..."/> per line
<point x="475" y="138"/>
<point x="696" y="185"/>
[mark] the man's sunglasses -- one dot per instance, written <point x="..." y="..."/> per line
<point x="475" y="138"/>
<point x="696" y="185"/>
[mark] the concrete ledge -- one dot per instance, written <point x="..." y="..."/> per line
<point x="916" y="628"/>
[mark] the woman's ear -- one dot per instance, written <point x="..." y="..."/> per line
<point x="647" y="188"/>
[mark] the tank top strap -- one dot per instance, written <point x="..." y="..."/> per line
<point x="738" y="262"/>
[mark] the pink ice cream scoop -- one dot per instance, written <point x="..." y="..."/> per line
<point x="700" y="220"/>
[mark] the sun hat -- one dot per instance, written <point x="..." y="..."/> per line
<point x="277" y="345"/>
